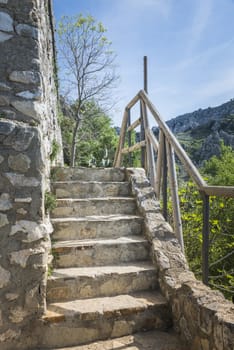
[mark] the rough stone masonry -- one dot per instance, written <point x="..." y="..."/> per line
<point x="28" y="130"/>
<point x="203" y="317"/>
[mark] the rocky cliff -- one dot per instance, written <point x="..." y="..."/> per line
<point x="201" y="131"/>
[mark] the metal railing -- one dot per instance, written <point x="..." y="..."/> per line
<point x="162" y="168"/>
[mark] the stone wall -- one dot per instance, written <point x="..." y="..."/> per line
<point x="28" y="131"/>
<point x="203" y="317"/>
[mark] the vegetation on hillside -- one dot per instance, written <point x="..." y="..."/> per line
<point x="214" y="131"/>
<point x="218" y="171"/>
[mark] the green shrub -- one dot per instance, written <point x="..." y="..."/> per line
<point x="50" y="201"/>
<point x="55" y="150"/>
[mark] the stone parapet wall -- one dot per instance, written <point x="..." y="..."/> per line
<point x="28" y="130"/>
<point x="203" y="317"/>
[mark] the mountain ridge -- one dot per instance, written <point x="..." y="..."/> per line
<point x="200" y="132"/>
<point x="200" y="116"/>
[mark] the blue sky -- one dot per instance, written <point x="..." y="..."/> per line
<point x="189" y="44"/>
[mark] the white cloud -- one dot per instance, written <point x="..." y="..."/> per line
<point x="200" y="21"/>
<point x="203" y="57"/>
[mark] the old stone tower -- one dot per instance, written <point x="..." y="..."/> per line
<point x="28" y="132"/>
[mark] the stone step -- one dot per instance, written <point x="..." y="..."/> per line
<point x="151" y="340"/>
<point x="88" y="189"/>
<point x="103" y="226"/>
<point x="71" y="207"/>
<point x="92" y="282"/>
<point x="88" y="174"/>
<point x="77" y="322"/>
<point x="100" y="252"/>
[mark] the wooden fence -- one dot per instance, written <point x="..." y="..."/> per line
<point x="164" y="167"/>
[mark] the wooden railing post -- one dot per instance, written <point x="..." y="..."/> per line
<point x="118" y="154"/>
<point x="205" y="238"/>
<point x="143" y="150"/>
<point x="146" y="74"/>
<point x="174" y="194"/>
<point x="150" y="164"/>
<point x="159" y="164"/>
<point x="164" y="180"/>
<point x="129" y="138"/>
<point x="142" y="138"/>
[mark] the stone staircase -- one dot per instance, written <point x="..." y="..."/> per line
<point x="103" y="284"/>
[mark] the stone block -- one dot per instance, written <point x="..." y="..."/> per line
<point x="4" y="87"/>
<point x="84" y="189"/>
<point x="25" y="77"/>
<point x="26" y="200"/>
<point x="33" y="231"/>
<point x="207" y="316"/>
<point x="28" y="95"/>
<point x="218" y="335"/>
<point x="121" y="328"/>
<point x="6" y="22"/>
<point x="4" y="101"/>
<point x="97" y="227"/>
<point x="21" y="257"/>
<point x="8" y="114"/>
<point x="6" y="128"/>
<point x="31" y="298"/>
<point x="5" y="203"/>
<point x="4" y="277"/>
<point x="228" y="329"/>
<point x="27" y="30"/>
<point x="184" y="325"/>
<point x="3" y="220"/>
<point x="27" y="107"/>
<point x="88" y="174"/>
<point x="103" y="252"/>
<point x="94" y="206"/>
<point x="21" y="211"/>
<point x="19" y="138"/>
<point x="9" y="335"/>
<point x="161" y="259"/>
<point x="20" y="163"/>
<point x="5" y="37"/>
<point x="19" y="180"/>
<point x="11" y="296"/>
<point x="18" y="314"/>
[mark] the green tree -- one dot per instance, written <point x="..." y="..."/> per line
<point x="86" y="64"/>
<point x="218" y="171"/>
<point x="96" y="139"/>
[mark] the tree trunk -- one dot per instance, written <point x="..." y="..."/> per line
<point x="73" y="146"/>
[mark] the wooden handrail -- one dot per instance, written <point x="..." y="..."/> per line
<point x="165" y="148"/>
<point x="180" y="152"/>
<point x="219" y="191"/>
<point x="133" y="148"/>
<point x="134" y="125"/>
<point x="133" y="101"/>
